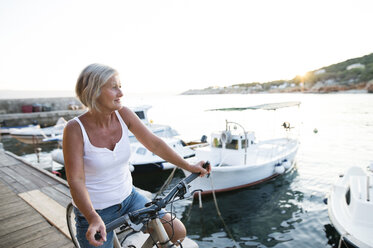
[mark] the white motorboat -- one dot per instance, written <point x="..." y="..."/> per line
<point x="36" y="135"/>
<point x="350" y="206"/>
<point x="160" y="130"/>
<point x="238" y="160"/>
<point x="145" y="161"/>
<point x="8" y="130"/>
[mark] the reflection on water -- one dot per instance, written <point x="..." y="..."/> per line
<point x="21" y="149"/>
<point x="333" y="237"/>
<point x="259" y="215"/>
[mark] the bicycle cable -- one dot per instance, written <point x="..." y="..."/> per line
<point x="170" y="222"/>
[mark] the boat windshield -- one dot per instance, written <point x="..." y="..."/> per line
<point x="244" y="143"/>
<point x="233" y="145"/>
<point x="216" y="143"/>
<point x="140" y="114"/>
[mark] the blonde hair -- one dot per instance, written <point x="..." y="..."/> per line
<point x="90" y="81"/>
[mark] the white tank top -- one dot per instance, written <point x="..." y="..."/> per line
<point x="107" y="175"/>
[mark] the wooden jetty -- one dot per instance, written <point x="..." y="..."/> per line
<point x="32" y="206"/>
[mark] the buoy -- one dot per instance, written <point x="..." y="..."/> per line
<point x="57" y="173"/>
<point x="315" y="130"/>
<point x="286" y="164"/>
<point x="279" y="169"/>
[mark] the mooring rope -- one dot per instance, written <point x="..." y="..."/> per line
<point x="341" y="240"/>
<point x="220" y="215"/>
<point x="166" y="183"/>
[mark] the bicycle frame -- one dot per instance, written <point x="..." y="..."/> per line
<point x="157" y="232"/>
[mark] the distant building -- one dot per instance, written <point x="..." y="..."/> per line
<point x="321" y="71"/>
<point x="283" y="86"/>
<point x="355" y="66"/>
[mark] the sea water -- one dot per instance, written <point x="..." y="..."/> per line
<point x="335" y="132"/>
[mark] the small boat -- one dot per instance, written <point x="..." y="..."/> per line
<point x="36" y="135"/>
<point x="161" y="130"/>
<point x="8" y="130"/>
<point x="238" y="160"/>
<point x="350" y="206"/>
<point x="145" y="161"/>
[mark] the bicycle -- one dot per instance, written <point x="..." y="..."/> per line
<point x="142" y="219"/>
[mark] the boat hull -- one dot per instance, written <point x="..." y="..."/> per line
<point x="29" y="139"/>
<point x="155" y="166"/>
<point x="350" y="207"/>
<point x="231" y="177"/>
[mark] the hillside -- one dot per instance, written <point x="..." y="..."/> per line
<point x="352" y="74"/>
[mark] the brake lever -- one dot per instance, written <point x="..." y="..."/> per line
<point x="135" y="227"/>
<point x="185" y="190"/>
<point x="190" y="194"/>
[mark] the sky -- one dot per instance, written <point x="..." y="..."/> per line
<point x="170" y="46"/>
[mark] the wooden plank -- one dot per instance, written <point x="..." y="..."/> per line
<point x="42" y="171"/>
<point x="63" y="189"/>
<point x="42" y="238"/>
<point x="68" y="245"/>
<point x="12" y="209"/>
<point x="6" y="198"/>
<point x="24" y="235"/>
<point x="20" y="179"/>
<point x="11" y="183"/>
<point x="7" y="160"/>
<point x="47" y="207"/>
<point x="27" y="174"/>
<point x="23" y="220"/>
<point x="4" y="189"/>
<point x="60" y="241"/>
<point x="48" y="177"/>
<point x="56" y="195"/>
<point x="32" y="171"/>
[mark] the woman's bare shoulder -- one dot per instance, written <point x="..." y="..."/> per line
<point x="71" y="125"/>
<point x="72" y="129"/>
<point x="126" y="115"/>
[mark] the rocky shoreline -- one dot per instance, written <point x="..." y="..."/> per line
<point x="320" y="88"/>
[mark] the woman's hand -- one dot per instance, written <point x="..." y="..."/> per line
<point x="197" y="168"/>
<point x="95" y="226"/>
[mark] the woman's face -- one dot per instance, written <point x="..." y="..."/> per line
<point x="111" y="93"/>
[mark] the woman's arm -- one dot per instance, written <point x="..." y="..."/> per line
<point x="73" y="148"/>
<point x="156" y="145"/>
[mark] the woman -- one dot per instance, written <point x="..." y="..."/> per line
<point x="96" y="153"/>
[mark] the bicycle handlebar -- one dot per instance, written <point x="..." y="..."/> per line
<point x="158" y="205"/>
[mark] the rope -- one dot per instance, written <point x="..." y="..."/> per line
<point x="341" y="240"/>
<point x="166" y="183"/>
<point x="218" y="212"/>
<point x="190" y="210"/>
<point x="220" y="215"/>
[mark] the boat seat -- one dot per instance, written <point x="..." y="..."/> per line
<point x="359" y="187"/>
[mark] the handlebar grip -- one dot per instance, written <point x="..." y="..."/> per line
<point x="111" y="226"/>
<point x="98" y="236"/>
<point x="195" y="175"/>
<point x="116" y="223"/>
